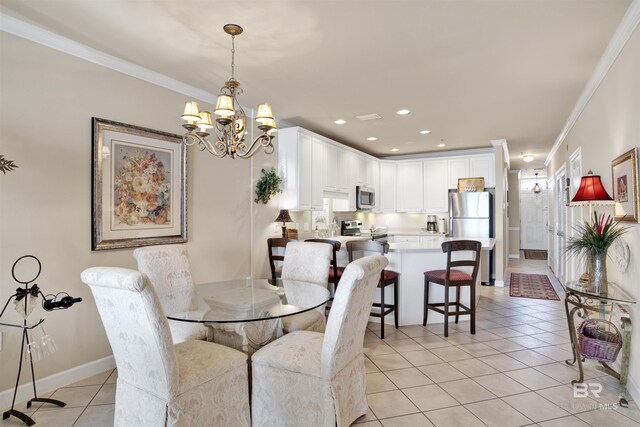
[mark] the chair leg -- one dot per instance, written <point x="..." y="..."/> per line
<point x="382" y="312"/>
<point x="395" y="302"/>
<point x="446" y="310"/>
<point x="426" y="301"/>
<point x="457" y="302"/>
<point x="472" y="306"/>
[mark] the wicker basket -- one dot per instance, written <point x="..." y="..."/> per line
<point x="598" y="344"/>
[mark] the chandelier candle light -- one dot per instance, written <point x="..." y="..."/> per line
<point x="231" y="120"/>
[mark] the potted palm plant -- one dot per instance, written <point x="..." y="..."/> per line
<point x="593" y="241"/>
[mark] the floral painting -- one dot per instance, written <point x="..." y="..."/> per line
<point x="624" y="171"/>
<point x="139" y="186"/>
<point x="142" y="187"/>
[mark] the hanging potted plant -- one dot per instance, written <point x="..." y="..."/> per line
<point x="593" y="241"/>
<point x="267" y="186"/>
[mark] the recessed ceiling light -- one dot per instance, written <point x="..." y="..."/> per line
<point x="340" y="121"/>
<point x="441" y="145"/>
<point x="395" y="150"/>
<point x="403" y="112"/>
<point x="425" y="132"/>
<point x="372" y="138"/>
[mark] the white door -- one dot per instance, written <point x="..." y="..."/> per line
<point x="561" y="225"/>
<point x="551" y="228"/>
<point x="575" y="265"/>
<point x="533" y="208"/>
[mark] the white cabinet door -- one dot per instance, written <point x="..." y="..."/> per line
<point x="304" y="171"/>
<point x="331" y="176"/>
<point x="344" y="175"/>
<point x="387" y="192"/>
<point x="457" y="167"/>
<point x="483" y="166"/>
<point x="360" y="170"/>
<point x="435" y="185"/>
<point x="406" y="239"/>
<point x="317" y="173"/>
<point x="409" y="186"/>
<point x="374" y="181"/>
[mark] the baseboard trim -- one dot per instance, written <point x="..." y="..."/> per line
<point x="55" y="381"/>
<point x="516" y="256"/>
<point x="498" y="283"/>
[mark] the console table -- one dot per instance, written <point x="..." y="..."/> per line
<point x="582" y="299"/>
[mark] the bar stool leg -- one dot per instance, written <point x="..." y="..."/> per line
<point x="446" y="310"/>
<point x="457" y="302"/>
<point x="426" y="301"/>
<point x="472" y="306"/>
<point x="381" y="309"/>
<point x="395" y="302"/>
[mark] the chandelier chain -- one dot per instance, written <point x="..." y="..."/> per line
<point x="233" y="56"/>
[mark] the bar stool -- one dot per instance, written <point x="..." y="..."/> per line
<point x="273" y="243"/>
<point x="335" y="272"/>
<point x="454" y="278"/>
<point x="387" y="278"/>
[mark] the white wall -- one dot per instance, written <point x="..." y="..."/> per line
<point x="47" y="101"/>
<point x="608" y="127"/>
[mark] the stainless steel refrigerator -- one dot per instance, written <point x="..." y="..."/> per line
<point x="471" y="215"/>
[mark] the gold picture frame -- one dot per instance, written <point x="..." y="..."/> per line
<point x="466" y="185"/>
<point x="624" y="172"/>
<point x="139" y="186"/>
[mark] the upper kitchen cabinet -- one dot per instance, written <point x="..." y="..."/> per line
<point x="473" y="166"/>
<point x="332" y="174"/>
<point x="435" y="185"/>
<point x="409" y="186"/>
<point x="386" y="198"/>
<point x="301" y="165"/>
<point x="483" y="166"/>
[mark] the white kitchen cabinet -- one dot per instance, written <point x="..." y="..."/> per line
<point x="302" y="174"/>
<point x="360" y="169"/>
<point x="435" y="185"/>
<point x="345" y="163"/>
<point x="483" y="166"/>
<point x="409" y="186"/>
<point x="331" y="169"/>
<point x="387" y="194"/>
<point x="429" y="238"/>
<point x="457" y="167"/>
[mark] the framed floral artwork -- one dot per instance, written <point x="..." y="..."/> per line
<point x="139" y="186"/>
<point x="624" y="170"/>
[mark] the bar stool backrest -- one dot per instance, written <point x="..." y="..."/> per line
<point x="462" y="245"/>
<point x="273" y="243"/>
<point x="361" y="248"/>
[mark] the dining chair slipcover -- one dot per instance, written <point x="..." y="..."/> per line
<point x="307" y="262"/>
<point x="167" y="266"/>
<point x="319" y="379"/>
<point x="159" y="383"/>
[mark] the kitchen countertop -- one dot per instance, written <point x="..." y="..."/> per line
<point x="434" y="245"/>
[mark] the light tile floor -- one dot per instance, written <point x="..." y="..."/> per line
<point x="510" y="373"/>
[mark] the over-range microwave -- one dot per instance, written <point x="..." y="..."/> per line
<point x="365" y="198"/>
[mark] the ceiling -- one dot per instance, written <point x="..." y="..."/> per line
<point x="469" y="71"/>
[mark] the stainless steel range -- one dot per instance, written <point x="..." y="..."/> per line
<point x="352" y="228"/>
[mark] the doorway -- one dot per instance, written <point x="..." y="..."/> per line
<point x="560" y="223"/>
<point x="533" y="211"/>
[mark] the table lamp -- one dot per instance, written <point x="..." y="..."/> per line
<point x="591" y="192"/>
<point x="284" y="217"/>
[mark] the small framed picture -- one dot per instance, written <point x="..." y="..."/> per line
<point x="139" y="186"/>
<point x="624" y="170"/>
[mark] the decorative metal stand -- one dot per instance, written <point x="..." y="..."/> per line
<point x="585" y="299"/>
<point x="50" y="302"/>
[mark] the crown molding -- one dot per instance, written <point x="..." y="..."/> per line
<point x="41" y="36"/>
<point x="627" y="26"/>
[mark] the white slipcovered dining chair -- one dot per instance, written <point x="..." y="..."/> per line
<point x="194" y="383"/>
<point x="167" y="266"/>
<point x="315" y="379"/>
<point x="308" y="262"/>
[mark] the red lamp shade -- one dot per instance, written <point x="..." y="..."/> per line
<point x="591" y="191"/>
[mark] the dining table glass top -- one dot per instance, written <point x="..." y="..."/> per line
<point x="249" y="300"/>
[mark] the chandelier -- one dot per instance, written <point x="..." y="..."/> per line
<point x="536" y="188"/>
<point x="230" y="124"/>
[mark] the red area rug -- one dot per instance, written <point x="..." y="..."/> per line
<point x="535" y="286"/>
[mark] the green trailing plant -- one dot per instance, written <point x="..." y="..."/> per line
<point x="6" y="165"/>
<point x="267" y="186"/>
<point x="595" y="238"/>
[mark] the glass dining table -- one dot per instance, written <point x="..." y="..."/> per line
<point x="246" y="314"/>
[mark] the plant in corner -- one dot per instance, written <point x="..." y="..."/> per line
<point x="6" y="165"/>
<point x="593" y="241"/>
<point x="267" y="186"/>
